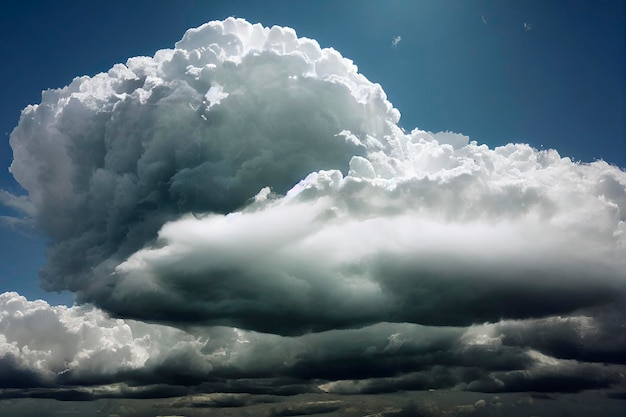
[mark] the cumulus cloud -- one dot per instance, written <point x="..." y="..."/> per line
<point x="21" y="203"/>
<point x="255" y="191"/>
<point x="436" y="235"/>
<point x="145" y="179"/>
<point x="42" y="345"/>
<point x="200" y="128"/>
<point x="22" y="206"/>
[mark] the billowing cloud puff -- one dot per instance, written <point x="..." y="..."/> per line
<point x="42" y="345"/>
<point x="200" y="128"/>
<point x="255" y="191"/>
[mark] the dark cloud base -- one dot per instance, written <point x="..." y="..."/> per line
<point x="405" y="404"/>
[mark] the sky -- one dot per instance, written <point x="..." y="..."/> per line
<point x="371" y="197"/>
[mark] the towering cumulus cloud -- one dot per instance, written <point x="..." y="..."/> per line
<point x="250" y="179"/>
<point x="201" y="128"/>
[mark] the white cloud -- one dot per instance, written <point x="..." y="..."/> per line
<point x="77" y="343"/>
<point x="66" y="346"/>
<point x="364" y="248"/>
<point x="108" y="159"/>
<point x="215" y="95"/>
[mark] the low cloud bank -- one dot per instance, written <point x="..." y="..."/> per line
<point x="79" y="352"/>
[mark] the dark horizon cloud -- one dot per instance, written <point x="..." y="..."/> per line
<point x="82" y="353"/>
<point x="243" y="214"/>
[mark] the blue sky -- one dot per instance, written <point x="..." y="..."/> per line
<point x="465" y="66"/>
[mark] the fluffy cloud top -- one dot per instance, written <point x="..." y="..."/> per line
<point x="249" y="179"/>
<point x="41" y="345"/>
<point x="203" y="127"/>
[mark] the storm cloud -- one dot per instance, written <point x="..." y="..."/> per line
<point x="82" y="351"/>
<point x="242" y="213"/>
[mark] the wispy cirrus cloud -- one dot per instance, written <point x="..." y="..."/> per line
<point x="395" y="41"/>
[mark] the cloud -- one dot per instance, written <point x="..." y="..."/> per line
<point x="79" y="352"/>
<point x="439" y="237"/>
<point x="42" y="345"/>
<point x="395" y="41"/>
<point x="242" y="214"/>
<point x="20" y="204"/>
<point x="108" y="160"/>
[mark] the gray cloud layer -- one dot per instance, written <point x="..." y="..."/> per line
<point x="56" y="347"/>
<point x="249" y="179"/>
